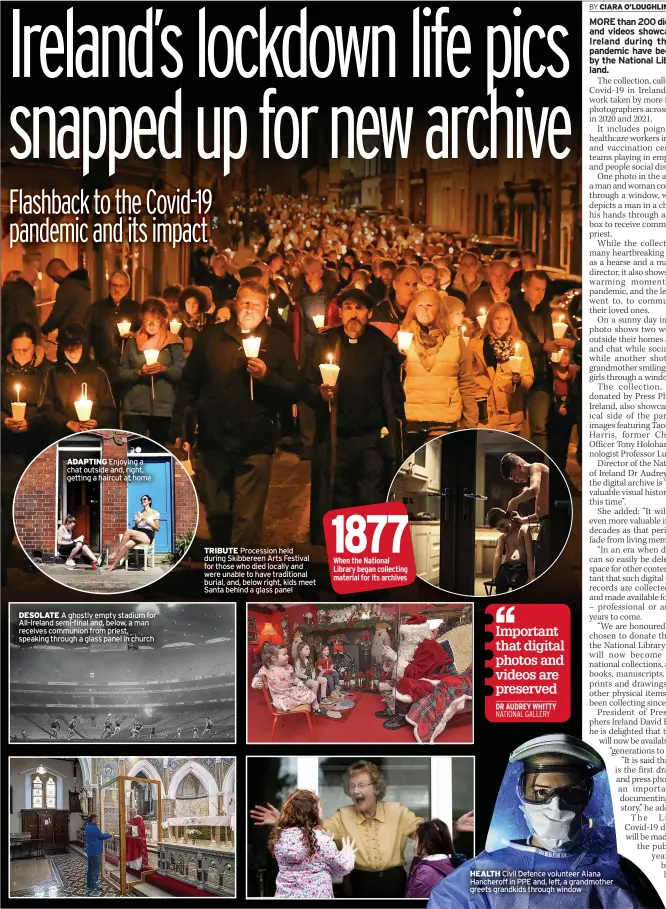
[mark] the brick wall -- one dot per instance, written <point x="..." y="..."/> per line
<point x="36" y="502"/>
<point x="185" y="500"/>
<point x="114" y="494"/>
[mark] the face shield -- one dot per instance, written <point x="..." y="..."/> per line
<point x="555" y="789"/>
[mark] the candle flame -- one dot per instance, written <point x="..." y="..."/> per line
<point x="330" y="358"/>
<point x="18" y="393"/>
<point x="462" y="329"/>
<point x="482" y="312"/>
<point x="516" y="348"/>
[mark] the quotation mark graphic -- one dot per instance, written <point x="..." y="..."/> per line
<point x="502" y="617"/>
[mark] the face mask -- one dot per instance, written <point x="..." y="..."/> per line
<point x="555" y="824"/>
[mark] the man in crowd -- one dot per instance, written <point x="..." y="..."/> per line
<point x="72" y="300"/>
<point x="103" y="319"/>
<point x="236" y="400"/>
<point x="221" y="282"/>
<point x="535" y="322"/>
<point x="359" y="421"/>
<point x="468" y="278"/>
<point x="18" y="302"/>
<point x="380" y="285"/>
<point x="528" y="262"/>
<point x="311" y="292"/>
<point x="495" y="291"/>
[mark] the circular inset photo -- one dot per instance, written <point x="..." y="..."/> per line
<point x="105" y="511"/>
<point x="488" y="511"/>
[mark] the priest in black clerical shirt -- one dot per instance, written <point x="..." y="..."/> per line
<point x="358" y="440"/>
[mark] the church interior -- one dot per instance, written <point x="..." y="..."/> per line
<point x="170" y="824"/>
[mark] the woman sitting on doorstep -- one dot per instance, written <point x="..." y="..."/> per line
<point x="70" y="547"/>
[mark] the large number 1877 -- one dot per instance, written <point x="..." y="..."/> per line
<point x="351" y="536"/>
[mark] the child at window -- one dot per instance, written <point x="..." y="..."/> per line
<point x="306" y="672"/>
<point x="329" y="672"/>
<point x="434" y="858"/>
<point x="306" y="854"/>
<point x="286" y="689"/>
<point x="513" y="565"/>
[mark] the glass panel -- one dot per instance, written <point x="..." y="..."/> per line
<point x="51" y="793"/>
<point x="462" y="797"/>
<point x="110" y="823"/>
<point x="269" y="780"/>
<point x="407" y="782"/>
<point x="37" y="793"/>
<point x="141" y="799"/>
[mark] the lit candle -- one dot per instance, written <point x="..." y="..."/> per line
<point x="124" y="328"/>
<point x="175" y="326"/>
<point x="83" y="406"/>
<point x="404" y="341"/>
<point x="464" y="336"/>
<point x="18" y="406"/>
<point x="251" y="347"/>
<point x="516" y="361"/>
<point x="319" y="321"/>
<point x="329" y="372"/>
<point x="559" y="329"/>
<point x="481" y="318"/>
<point x="151" y="358"/>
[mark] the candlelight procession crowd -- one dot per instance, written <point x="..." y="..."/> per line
<point x="347" y="336"/>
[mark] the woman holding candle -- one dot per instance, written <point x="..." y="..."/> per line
<point x="64" y="388"/>
<point x="146" y="525"/>
<point x="502" y="370"/>
<point x="69" y="547"/>
<point x="439" y="385"/>
<point x="194" y="317"/>
<point x="23" y="375"/>
<point x="150" y="369"/>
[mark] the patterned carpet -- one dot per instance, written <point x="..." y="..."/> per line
<point x="68" y="879"/>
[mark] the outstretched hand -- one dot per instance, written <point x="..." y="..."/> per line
<point x="348" y="845"/>
<point x="465" y="823"/>
<point x="265" y="816"/>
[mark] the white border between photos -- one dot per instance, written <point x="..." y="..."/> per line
<point x="316" y="743"/>
<point x="435" y="787"/>
<point x="131" y="742"/>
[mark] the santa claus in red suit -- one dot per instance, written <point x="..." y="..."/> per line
<point x="419" y="665"/>
<point x="136" y="848"/>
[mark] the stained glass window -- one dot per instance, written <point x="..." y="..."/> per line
<point x="51" y="793"/>
<point x="37" y="793"/>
